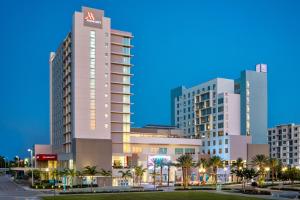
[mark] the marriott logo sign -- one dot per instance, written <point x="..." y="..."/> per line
<point x="92" y="17"/>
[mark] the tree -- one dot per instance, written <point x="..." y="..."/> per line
<point x="216" y="162"/>
<point x="155" y="162"/>
<point x="185" y="162"/>
<point x="260" y="161"/>
<point x="161" y="162"/>
<point x="36" y="174"/>
<point x="273" y="163"/>
<point x="2" y="162"/>
<point x="169" y="164"/>
<point x="248" y="174"/>
<point x="125" y="174"/>
<point x="203" y="164"/>
<point x="105" y="173"/>
<point x="71" y="173"/>
<point x="139" y="171"/>
<point x="292" y="174"/>
<point x="80" y="175"/>
<point x="238" y="165"/>
<point x="91" y="171"/>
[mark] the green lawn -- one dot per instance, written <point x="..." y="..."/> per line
<point x="154" y="196"/>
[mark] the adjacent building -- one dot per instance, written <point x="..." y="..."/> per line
<point x="284" y="144"/>
<point x="223" y="112"/>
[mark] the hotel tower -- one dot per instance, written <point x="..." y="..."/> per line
<point x="90" y="92"/>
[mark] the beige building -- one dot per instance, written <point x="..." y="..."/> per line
<point x="90" y="102"/>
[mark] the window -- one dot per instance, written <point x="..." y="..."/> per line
<point x="178" y="151"/>
<point x="163" y="151"/>
<point x="226" y="150"/>
<point x="126" y="41"/>
<point x="190" y="150"/>
<point x="220" y="117"/>
<point x="220" y="125"/>
<point x="226" y="141"/>
<point x="92" y="80"/>
<point x="220" y="101"/>
<point x="220" y="109"/>
<point x="126" y="50"/>
<point x="220" y="151"/>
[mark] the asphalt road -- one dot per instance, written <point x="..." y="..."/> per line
<point x="11" y="191"/>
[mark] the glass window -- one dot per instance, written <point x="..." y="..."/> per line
<point x="163" y="151"/>
<point x="126" y="41"/>
<point x="189" y="150"/>
<point x="178" y="151"/>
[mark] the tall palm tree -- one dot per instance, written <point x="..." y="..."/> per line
<point x="238" y="165"/>
<point x="139" y="171"/>
<point x="273" y="163"/>
<point x="169" y="164"/>
<point x="260" y="161"/>
<point x="215" y="162"/>
<point x="161" y="163"/>
<point x="203" y="163"/>
<point x="185" y="162"/>
<point x="80" y="175"/>
<point x="91" y="171"/>
<point x="125" y="175"/>
<point x="71" y="173"/>
<point x="155" y="162"/>
<point x="105" y="173"/>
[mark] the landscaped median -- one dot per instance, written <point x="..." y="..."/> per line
<point x="190" y="195"/>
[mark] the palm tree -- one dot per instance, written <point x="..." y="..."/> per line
<point x="155" y="162"/>
<point x="216" y="162"/>
<point x="80" y="175"/>
<point x="161" y="163"/>
<point x="203" y="163"/>
<point x="169" y="164"/>
<point x="91" y="171"/>
<point x="105" y="173"/>
<point x="125" y="175"/>
<point x="2" y="162"/>
<point x="71" y="173"/>
<point x="139" y="171"/>
<point x="238" y="165"/>
<point x="260" y="161"/>
<point x="273" y="163"/>
<point x="185" y="162"/>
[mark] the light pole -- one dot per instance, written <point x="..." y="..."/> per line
<point x="5" y="164"/>
<point x="17" y="157"/>
<point x="31" y="165"/>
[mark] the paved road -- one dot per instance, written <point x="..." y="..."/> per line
<point x="11" y="191"/>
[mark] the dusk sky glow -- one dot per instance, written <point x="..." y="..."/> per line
<point x="175" y="43"/>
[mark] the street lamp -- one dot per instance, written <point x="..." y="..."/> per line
<point x="18" y="160"/>
<point x="5" y="163"/>
<point x="284" y="169"/>
<point x="31" y="165"/>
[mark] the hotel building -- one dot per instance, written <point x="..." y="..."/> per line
<point x="90" y="124"/>
<point x="226" y="114"/>
<point x="284" y="143"/>
<point x="90" y="92"/>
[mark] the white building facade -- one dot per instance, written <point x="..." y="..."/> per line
<point x="284" y="144"/>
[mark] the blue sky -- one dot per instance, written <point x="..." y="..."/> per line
<point x="176" y="43"/>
